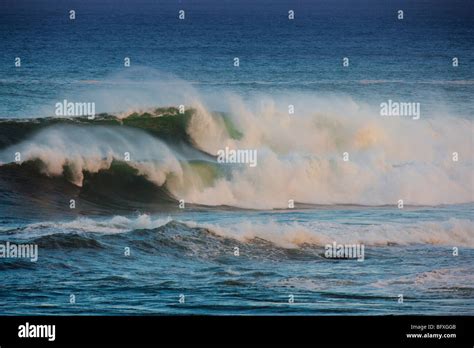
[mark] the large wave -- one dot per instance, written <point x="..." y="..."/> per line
<point x="300" y="156"/>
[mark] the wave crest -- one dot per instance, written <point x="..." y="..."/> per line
<point x="300" y="156"/>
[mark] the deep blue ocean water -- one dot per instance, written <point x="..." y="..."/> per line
<point x="191" y="252"/>
<point x="409" y="57"/>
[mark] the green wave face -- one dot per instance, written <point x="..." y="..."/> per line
<point x="120" y="184"/>
<point x="167" y="123"/>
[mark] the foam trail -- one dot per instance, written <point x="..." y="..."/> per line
<point x="458" y="232"/>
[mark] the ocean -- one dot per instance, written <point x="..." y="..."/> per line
<point x="132" y="209"/>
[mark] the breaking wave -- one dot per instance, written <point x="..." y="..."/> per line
<point x="300" y="156"/>
<point x="309" y="236"/>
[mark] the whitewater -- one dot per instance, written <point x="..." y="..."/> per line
<point x="388" y="159"/>
<point x="156" y="214"/>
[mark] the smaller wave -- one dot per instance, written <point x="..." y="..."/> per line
<point x="68" y="241"/>
<point x="452" y="232"/>
<point x="442" y="279"/>
<point x="116" y="224"/>
<point x="270" y="234"/>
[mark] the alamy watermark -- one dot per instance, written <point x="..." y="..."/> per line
<point x="344" y="251"/>
<point x="393" y="108"/>
<point x="37" y="331"/>
<point x="20" y="251"/>
<point x="67" y="108"/>
<point x="241" y="156"/>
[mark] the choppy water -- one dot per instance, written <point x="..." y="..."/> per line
<point x="191" y="251"/>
